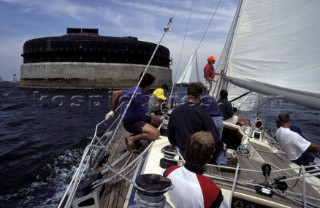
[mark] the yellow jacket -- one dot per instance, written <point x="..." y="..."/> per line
<point x="159" y="93"/>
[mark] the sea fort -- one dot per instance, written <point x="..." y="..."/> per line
<point x="82" y="59"/>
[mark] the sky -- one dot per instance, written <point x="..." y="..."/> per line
<point x="22" y="20"/>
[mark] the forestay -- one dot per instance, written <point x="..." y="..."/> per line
<point x="275" y="50"/>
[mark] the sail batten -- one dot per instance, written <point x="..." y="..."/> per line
<point x="276" y="50"/>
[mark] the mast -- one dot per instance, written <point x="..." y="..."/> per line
<point x="223" y="61"/>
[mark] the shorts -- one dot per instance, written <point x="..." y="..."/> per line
<point x="305" y="159"/>
<point x="233" y="119"/>
<point x="135" y="127"/>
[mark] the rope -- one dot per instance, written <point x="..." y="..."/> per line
<point x="205" y="32"/>
<point x="80" y="171"/>
<point x="243" y="150"/>
<point x="126" y="166"/>
<point x="304" y="186"/>
<point x="199" y="44"/>
<point x="76" y="176"/>
<point x="184" y="38"/>
<point x="134" y="163"/>
<point x="165" y="30"/>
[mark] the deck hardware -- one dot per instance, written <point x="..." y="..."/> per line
<point x="151" y="189"/>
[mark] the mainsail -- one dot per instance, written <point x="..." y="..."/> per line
<point x="275" y="50"/>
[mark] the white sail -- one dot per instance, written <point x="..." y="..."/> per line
<point x="188" y="74"/>
<point x="275" y="50"/>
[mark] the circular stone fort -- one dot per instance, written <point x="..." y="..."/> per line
<point x="82" y="59"/>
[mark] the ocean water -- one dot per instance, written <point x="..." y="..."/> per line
<point x="308" y="120"/>
<point x="44" y="132"/>
<point x="42" y="136"/>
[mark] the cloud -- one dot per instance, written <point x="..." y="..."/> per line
<point x="144" y="19"/>
<point x="10" y="57"/>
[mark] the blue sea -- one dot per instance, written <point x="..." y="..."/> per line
<point x="44" y="132"/>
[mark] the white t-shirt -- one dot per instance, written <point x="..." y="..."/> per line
<point x="233" y="119"/>
<point x="291" y="142"/>
<point x="192" y="190"/>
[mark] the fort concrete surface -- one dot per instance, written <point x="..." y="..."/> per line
<point x="82" y="59"/>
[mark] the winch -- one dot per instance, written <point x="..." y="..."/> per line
<point x="151" y="189"/>
<point x="169" y="152"/>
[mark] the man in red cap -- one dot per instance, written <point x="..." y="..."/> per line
<point x="209" y="72"/>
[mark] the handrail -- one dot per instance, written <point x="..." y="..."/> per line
<point x="83" y="163"/>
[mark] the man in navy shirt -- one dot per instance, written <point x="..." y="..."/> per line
<point x="189" y="118"/>
<point x="209" y="105"/>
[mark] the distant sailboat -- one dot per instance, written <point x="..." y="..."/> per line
<point x="187" y="75"/>
<point x="1" y="80"/>
<point x="14" y="78"/>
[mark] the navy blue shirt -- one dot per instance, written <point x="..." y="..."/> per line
<point x="187" y="119"/>
<point x="136" y="111"/>
<point x="225" y="108"/>
<point x="208" y="104"/>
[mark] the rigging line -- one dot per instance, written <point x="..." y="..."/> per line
<point x="223" y="63"/>
<point x="69" y="193"/>
<point x="165" y="30"/>
<point x="184" y="38"/>
<point x="205" y="32"/>
<point x="196" y="50"/>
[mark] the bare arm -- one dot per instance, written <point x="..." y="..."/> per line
<point x="314" y="148"/>
<point x="115" y="98"/>
<point x="209" y="78"/>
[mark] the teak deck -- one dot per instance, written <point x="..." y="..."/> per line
<point x="116" y="193"/>
<point x="257" y="177"/>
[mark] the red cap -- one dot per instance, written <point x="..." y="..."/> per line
<point x="211" y="58"/>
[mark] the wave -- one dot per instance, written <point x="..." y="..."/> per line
<point x="14" y="107"/>
<point x="51" y="180"/>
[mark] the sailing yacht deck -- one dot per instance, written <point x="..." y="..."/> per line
<point x="116" y="191"/>
<point x="247" y="180"/>
<point x="295" y="188"/>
